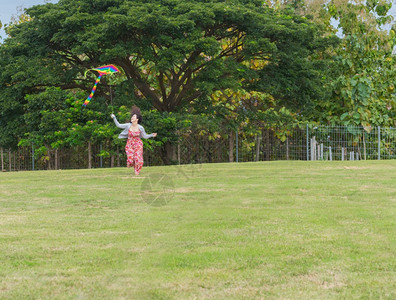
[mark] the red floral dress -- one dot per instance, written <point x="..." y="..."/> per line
<point x="134" y="151"/>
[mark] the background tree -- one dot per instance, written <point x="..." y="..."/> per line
<point x="361" y="76"/>
<point x="366" y="73"/>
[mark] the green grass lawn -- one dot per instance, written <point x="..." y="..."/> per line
<point x="271" y="230"/>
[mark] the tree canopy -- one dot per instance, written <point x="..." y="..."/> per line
<point x="171" y="52"/>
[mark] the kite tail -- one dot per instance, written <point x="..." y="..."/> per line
<point x="93" y="90"/>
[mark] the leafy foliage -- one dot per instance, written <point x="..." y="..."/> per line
<point x="193" y="64"/>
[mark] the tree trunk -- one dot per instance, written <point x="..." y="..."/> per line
<point x="219" y="150"/>
<point x="208" y="150"/>
<point x="267" y="148"/>
<point x="9" y="160"/>
<point x="118" y="157"/>
<point x="49" y="167"/>
<point x="168" y="153"/>
<point x="2" y="159"/>
<point x="178" y="154"/>
<point x="231" y="147"/>
<point x="56" y="159"/>
<point x="89" y="155"/>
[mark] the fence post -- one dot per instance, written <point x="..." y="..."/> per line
<point x="379" y="143"/>
<point x="342" y="153"/>
<point x="313" y="148"/>
<point x="307" y="142"/>
<point x="32" y="157"/>
<point x="258" y="139"/>
<point x="236" y="142"/>
<point x="321" y="152"/>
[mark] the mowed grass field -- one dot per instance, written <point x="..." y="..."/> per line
<point x="265" y="230"/>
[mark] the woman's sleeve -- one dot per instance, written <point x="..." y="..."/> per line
<point x="122" y="126"/>
<point x="144" y="134"/>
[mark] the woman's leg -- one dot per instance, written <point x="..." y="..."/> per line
<point x="138" y="159"/>
<point x="130" y="156"/>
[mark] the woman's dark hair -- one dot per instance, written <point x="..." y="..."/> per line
<point x="136" y="111"/>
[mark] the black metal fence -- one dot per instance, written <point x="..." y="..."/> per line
<point x="302" y="143"/>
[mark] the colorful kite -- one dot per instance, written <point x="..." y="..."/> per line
<point x="104" y="70"/>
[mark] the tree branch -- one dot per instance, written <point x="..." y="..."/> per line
<point x="133" y="72"/>
<point x="160" y="79"/>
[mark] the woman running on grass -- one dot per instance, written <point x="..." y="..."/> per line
<point x="133" y="131"/>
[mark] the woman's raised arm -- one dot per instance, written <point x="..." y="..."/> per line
<point x="123" y="126"/>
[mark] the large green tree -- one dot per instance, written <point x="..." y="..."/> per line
<point x="172" y="54"/>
